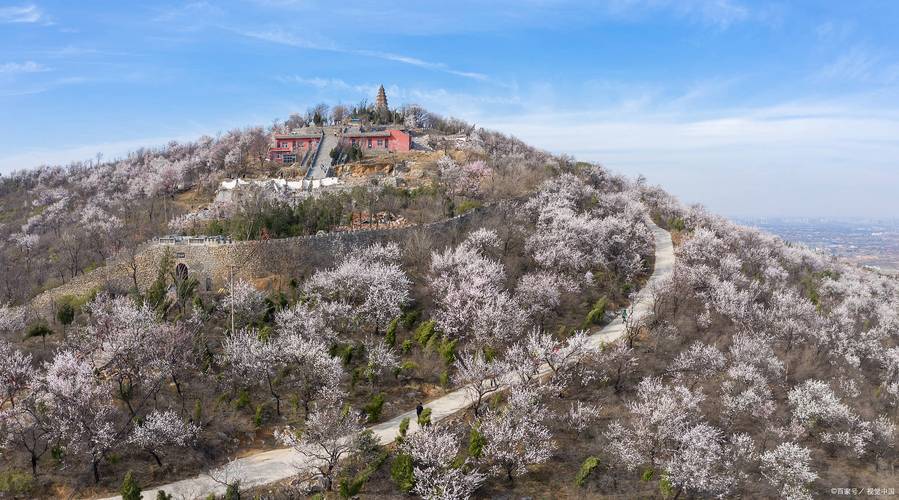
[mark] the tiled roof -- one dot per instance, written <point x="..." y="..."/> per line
<point x="298" y="136"/>
<point x="356" y="133"/>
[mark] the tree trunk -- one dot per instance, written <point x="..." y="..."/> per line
<point x="156" y="457"/>
<point x="271" y="389"/>
<point x="178" y="390"/>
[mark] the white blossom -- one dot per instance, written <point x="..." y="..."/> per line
<point x="516" y="435"/>
<point x="788" y="467"/>
<point x="330" y="435"/>
<point x="433" y="450"/>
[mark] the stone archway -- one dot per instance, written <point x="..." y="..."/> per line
<point x="181" y="271"/>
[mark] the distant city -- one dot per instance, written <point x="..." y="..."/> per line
<point x="869" y="242"/>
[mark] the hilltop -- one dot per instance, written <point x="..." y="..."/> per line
<point x="206" y="301"/>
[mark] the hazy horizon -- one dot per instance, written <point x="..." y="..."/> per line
<point x="750" y="108"/>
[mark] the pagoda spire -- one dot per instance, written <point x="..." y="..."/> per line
<point x="381" y="99"/>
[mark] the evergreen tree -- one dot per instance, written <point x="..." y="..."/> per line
<point x="130" y="490"/>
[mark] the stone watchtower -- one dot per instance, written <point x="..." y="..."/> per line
<point x="381" y="99"/>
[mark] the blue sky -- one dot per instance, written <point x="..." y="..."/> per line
<point x="751" y="108"/>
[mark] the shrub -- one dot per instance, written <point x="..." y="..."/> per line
<point x="78" y="301"/>
<point x="410" y="318"/>
<point x="390" y="334"/>
<point x="344" y="352"/>
<point x="676" y="224"/>
<point x="65" y="314"/>
<point x="401" y="473"/>
<point x="666" y="489"/>
<point x="424" y="333"/>
<point x="233" y="491"/>
<point x="374" y="407"/>
<point x="39" y="330"/>
<point x="161" y="495"/>
<point x="243" y="400"/>
<point x="404" y="427"/>
<point x="406" y="347"/>
<point x="444" y="378"/>
<point x="586" y="469"/>
<point x="351" y="489"/>
<point x="259" y="417"/>
<point x="129" y="490"/>
<point x="264" y="333"/>
<point x="15" y="483"/>
<point x="467" y="206"/>
<point x="597" y="313"/>
<point x="448" y="351"/>
<point x="811" y="285"/>
<point x="648" y="474"/>
<point x="425" y="418"/>
<point x="476" y="442"/>
<point x="198" y="413"/>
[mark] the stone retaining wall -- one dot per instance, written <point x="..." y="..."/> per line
<point x="211" y="263"/>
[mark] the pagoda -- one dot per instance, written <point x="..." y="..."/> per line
<point x="381" y="99"/>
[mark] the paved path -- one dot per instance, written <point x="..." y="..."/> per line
<point x="275" y="465"/>
<point x="323" y="161"/>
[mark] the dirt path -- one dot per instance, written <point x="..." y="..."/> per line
<point x="275" y="465"/>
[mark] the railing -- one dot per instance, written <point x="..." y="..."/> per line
<point x="193" y="240"/>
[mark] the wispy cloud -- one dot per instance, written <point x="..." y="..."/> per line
<point x="855" y="64"/>
<point x="76" y="51"/>
<point x="328" y="84"/>
<point x="195" y="13"/>
<point x="292" y="40"/>
<point x="719" y="13"/>
<point x="835" y="31"/>
<point x="863" y="65"/>
<point x="28" y="13"/>
<point x="44" y="87"/>
<point x="25" y="67"/>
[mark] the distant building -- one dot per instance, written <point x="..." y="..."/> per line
<point x="300" y="146"/>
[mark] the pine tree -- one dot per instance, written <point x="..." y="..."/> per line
<point x="130" y="490"/>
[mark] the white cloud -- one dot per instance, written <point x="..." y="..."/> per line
<point x="44" y="87"/>
<point x="28" y="13"/>
<point x="292" y="40"/>
<point x="65" y="155"/>
<point x="720" y="13"/>
<point x="855" y="64"/>
<point x="25" y="67"/>
<point x="791" y="159"/>
<point x="329" y="84"/>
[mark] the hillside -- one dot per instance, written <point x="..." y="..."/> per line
<point x="475" y="269"/>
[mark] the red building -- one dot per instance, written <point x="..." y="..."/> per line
<point x="291" y="148"/>
<point x="384" y="140"/>
<point x="298" y="146"/>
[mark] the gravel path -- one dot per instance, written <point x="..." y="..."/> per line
<point x="275" y="465"/>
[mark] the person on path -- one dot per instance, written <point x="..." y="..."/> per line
<point x="419" y="409"/>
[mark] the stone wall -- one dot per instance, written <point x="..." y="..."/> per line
<point x="211" y="263"/>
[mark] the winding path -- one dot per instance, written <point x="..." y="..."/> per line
<point x="275" y="465"/>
